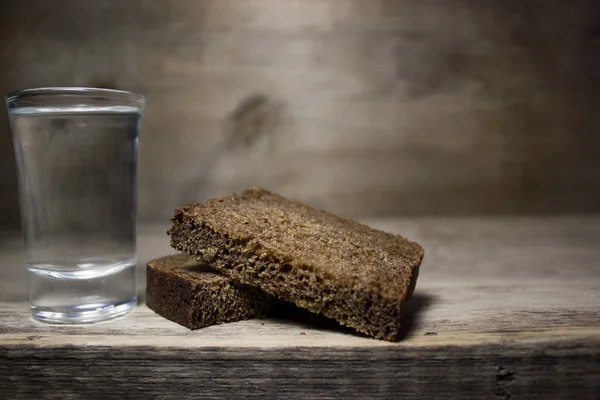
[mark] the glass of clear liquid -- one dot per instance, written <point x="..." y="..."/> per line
<point x="76" y="152"/>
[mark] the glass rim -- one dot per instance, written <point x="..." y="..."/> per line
<point x="77" y="93"/>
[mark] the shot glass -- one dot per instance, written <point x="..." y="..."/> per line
<point x="76" y="151"/>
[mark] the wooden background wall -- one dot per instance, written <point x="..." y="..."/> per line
<point x="361" y="107"/>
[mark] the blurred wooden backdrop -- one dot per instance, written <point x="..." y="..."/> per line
<point x="363" y="107"/>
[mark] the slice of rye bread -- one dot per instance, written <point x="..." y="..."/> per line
<point x="190" y="293"/>
<point x="340" y="268"/>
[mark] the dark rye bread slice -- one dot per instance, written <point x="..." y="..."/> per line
<point x="188" y="292"/>
<point x="340" y="268"/>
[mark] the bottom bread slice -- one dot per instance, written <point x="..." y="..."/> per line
<point x="191" y="294"/>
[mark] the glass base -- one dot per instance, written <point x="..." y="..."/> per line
<point x="86" y="314"/>
<point x="62" y="294"/>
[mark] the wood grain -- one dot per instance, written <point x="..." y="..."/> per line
<point x="373" y="107"/>
<point x="504" y="308"/>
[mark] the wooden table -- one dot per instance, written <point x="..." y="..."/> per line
<point x="504" y="307"/>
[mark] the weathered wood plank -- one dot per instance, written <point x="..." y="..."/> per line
<point x="565" y="368"/>
<point x="489" y="105"/>
<point x="504" y="307"/>
<point x="562" y="372"/>
<point x="430" y="323"/>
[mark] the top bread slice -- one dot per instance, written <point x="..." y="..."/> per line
<point x="340" y="268"/>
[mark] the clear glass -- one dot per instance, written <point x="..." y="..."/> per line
<point x="76" y="152"/>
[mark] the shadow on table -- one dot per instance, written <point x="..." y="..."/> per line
<point x="411" y="317"/>
<point x="412" y="314"/>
